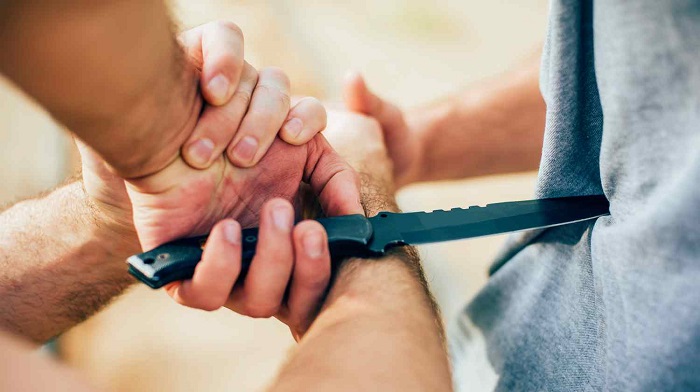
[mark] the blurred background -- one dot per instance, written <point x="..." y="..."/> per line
<point x="411" y="51"/>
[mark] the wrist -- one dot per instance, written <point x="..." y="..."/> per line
<point x="424" y="125"/>
<point x="361" y="284"/>
<point x="112" y="226"/>
<point x="118" y="242"/>
<point x="367" y="287"/>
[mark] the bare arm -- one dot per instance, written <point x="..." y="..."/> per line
<point x="378" y="331"/>
<point x="494" y="127"/>
<point x="61" y="261"/>
<point x="110" y="71"/>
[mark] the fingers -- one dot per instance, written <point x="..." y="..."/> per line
<point x="218" y="124"/>
<point x="216" y="274"/>
<point x="263" y="290"/>
<point x="332" y="179"/>
<point x="307" y="118"/>
<point x="235" y="91"/>
<point x="222" y="49"/>
<point x="222" y="55"/>
<point x="312" y="271"/>
<point x="359" y="98"/>
<point x="268" y="110"/>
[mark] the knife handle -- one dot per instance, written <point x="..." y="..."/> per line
<point x="348" y="236"/>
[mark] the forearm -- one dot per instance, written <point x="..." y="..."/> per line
<point x="112" y="72"/>
<point x="60" y="263"/>
<point x="371" y="338"/>
<point x="379" y="328"/>
<point x="492" y="128"/>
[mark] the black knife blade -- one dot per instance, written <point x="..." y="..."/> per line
<point x="355" y="235"/>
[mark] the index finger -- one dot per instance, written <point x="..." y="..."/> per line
<point x="216" y="274"/>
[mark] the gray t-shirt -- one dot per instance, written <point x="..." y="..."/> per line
<point x="614" y="304"/>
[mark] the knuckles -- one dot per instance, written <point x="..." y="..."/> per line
<point x="250" y="74"/>
<point x="242" y="97"/>
<point x="282" y="97"/>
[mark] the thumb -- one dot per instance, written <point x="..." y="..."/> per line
<point x="359" y="98"/>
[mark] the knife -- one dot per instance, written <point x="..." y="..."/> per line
<point x="358" y="236"/>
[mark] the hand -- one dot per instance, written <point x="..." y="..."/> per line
<point x="402" y="143"/>
<point x="228" y="83"/>
<point x="252" y="109"/>
<point x="359" y="140"/>
<point x="288" y="276"/>
<point x="181" y="201"/>
<point x="285" y="253"/>
<point x="246" y="109"/>
<point x="201" y="198"/>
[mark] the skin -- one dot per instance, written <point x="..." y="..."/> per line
<point x="23" y="368"/>
<point x="118" y="84"/>
<point x="163" y="190"/>
<point x="212" y="286"/>
<point x="189" y="172"/>
<point x="61" y="261"/>
<point x="71" y="244"/>
<point x="360" y="315"/>
<point x="377" y="331"/>
<point x="494" y="127"/>
<point x="122" y="86"/>
<point x="379" y="319"/>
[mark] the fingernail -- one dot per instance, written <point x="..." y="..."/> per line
<point x="231" y="233"/>
<point x="200" y="151"/>
<point x="218" y="87"/>
<point x="245" y="149"/>
<point x="313" y="244"/>
<point x="293" y="127"/>
<point x="282" y="218"/>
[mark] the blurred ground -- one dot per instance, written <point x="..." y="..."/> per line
<point x="411" y="51"/>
